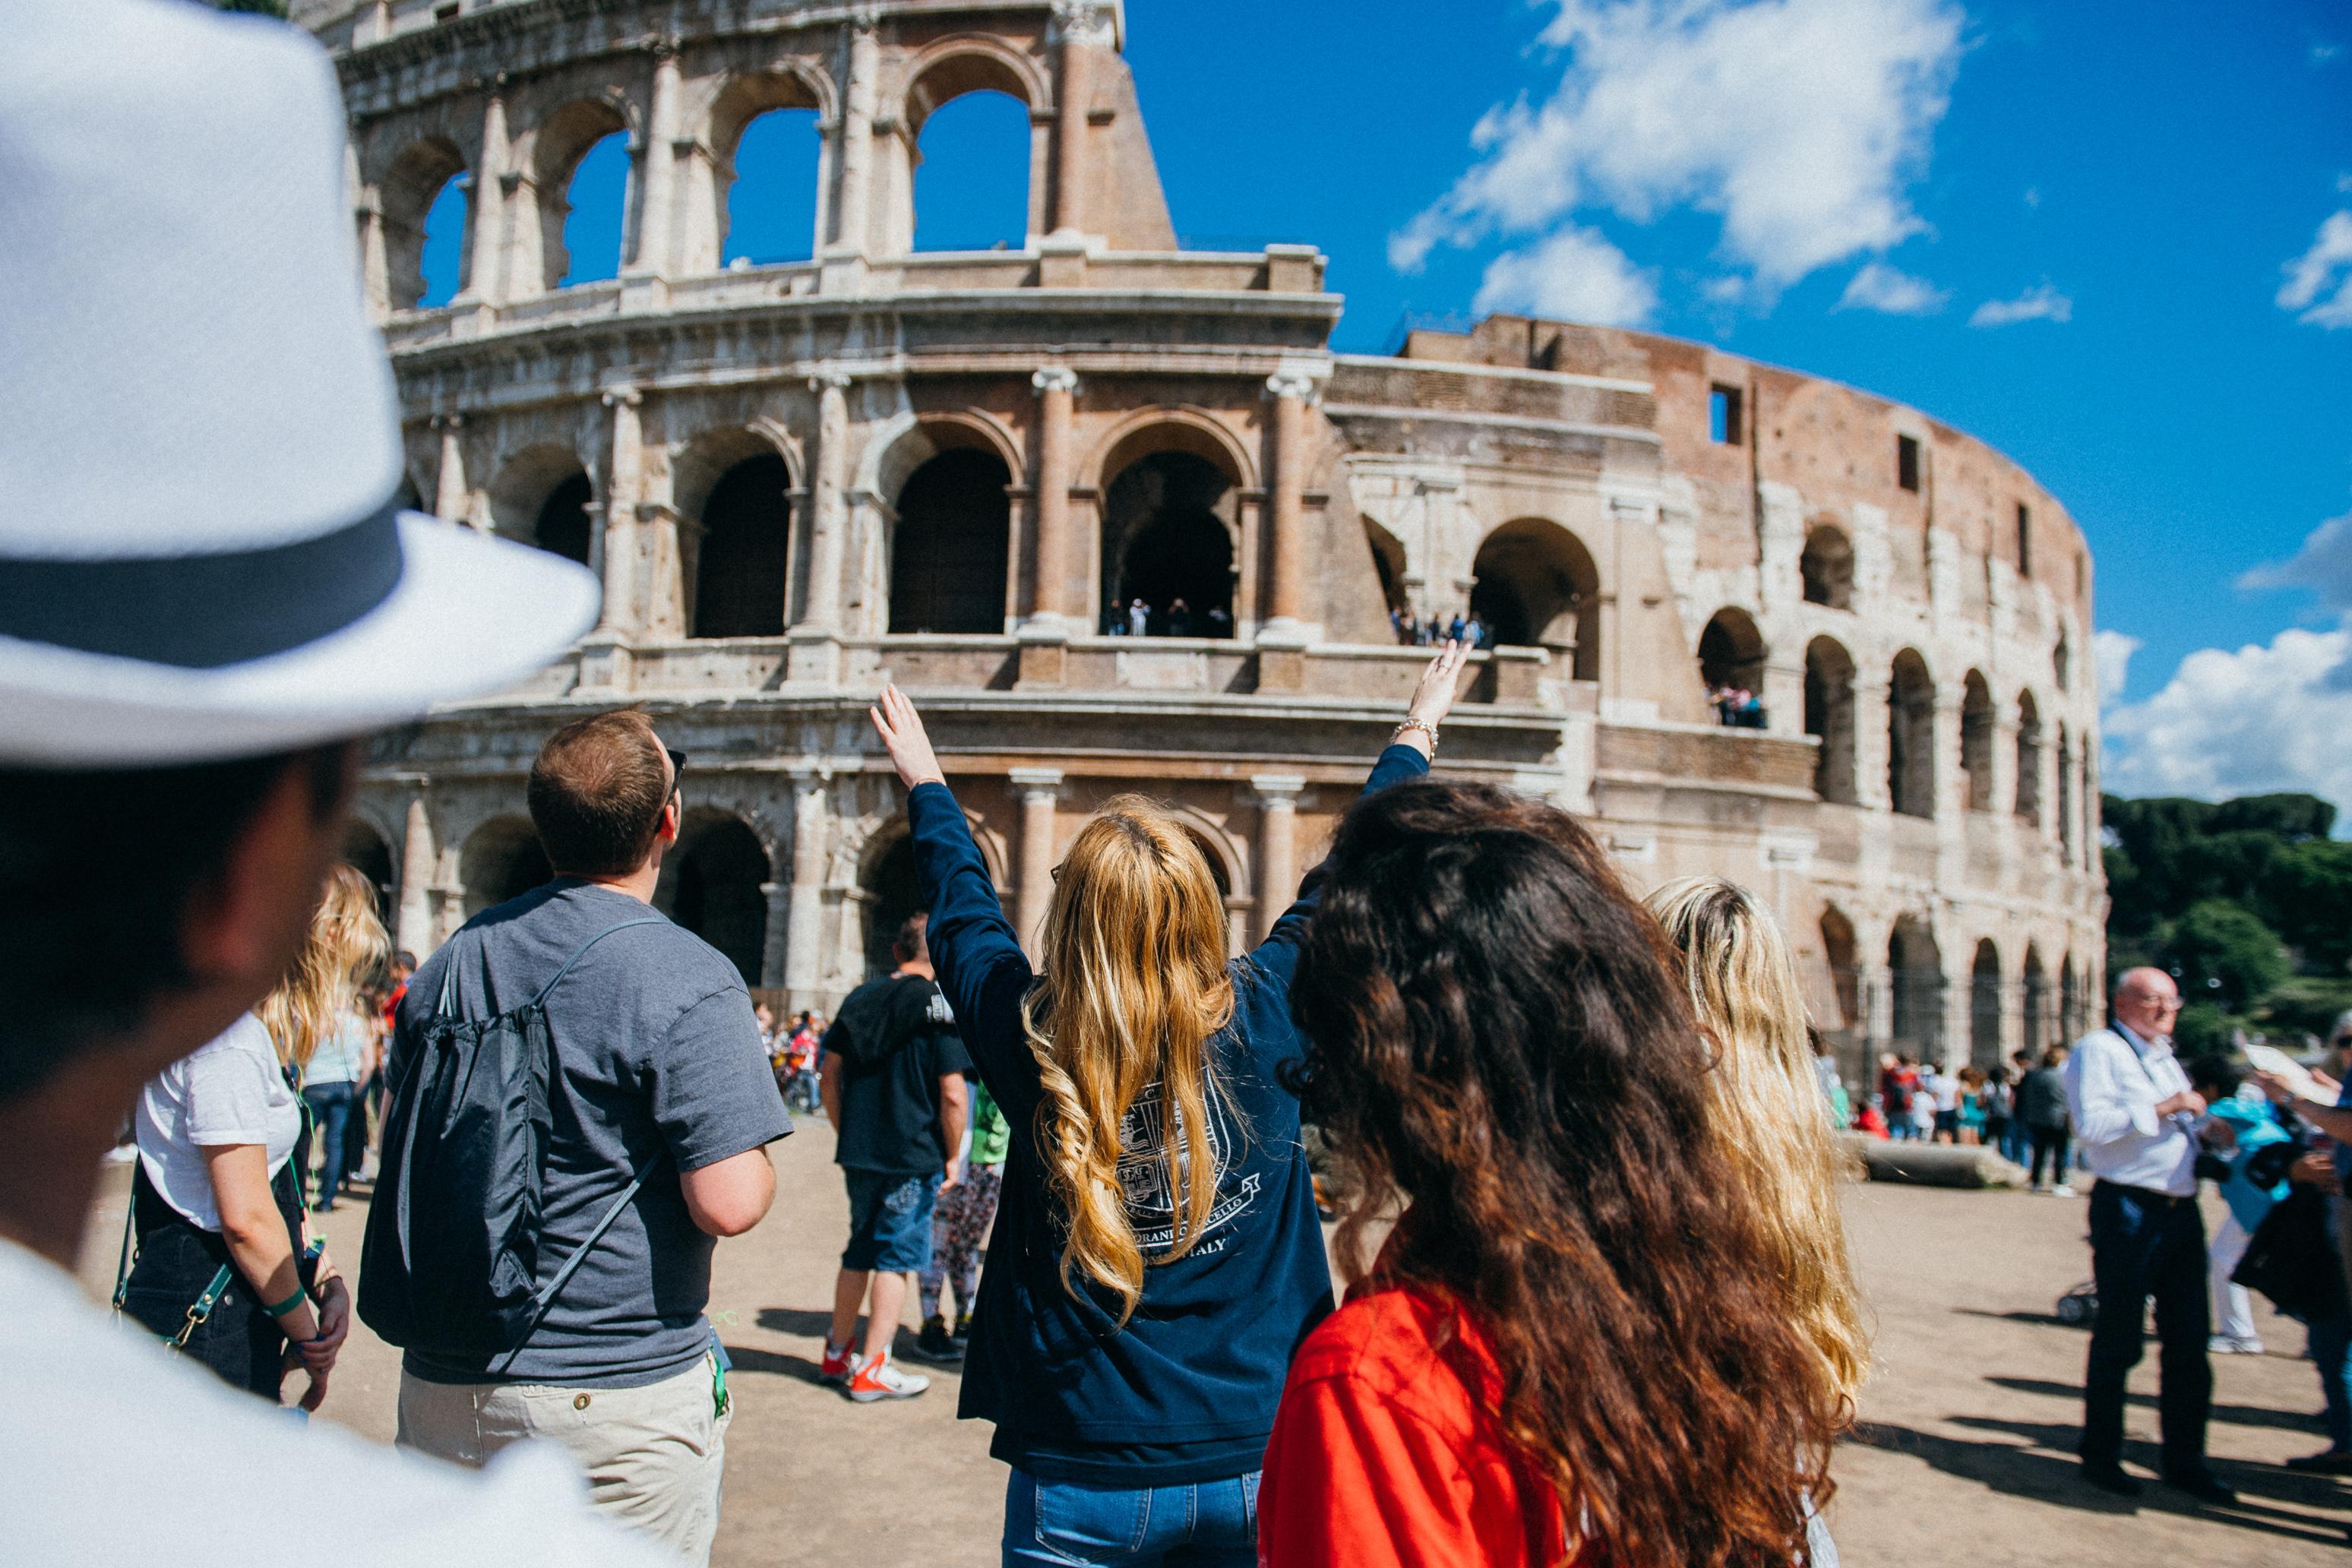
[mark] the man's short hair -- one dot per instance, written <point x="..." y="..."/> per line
<point x="96" y="870"/>
<point x="911" y="945"/>
<point x="597" y="792"/>
<point x="404" y="959"/>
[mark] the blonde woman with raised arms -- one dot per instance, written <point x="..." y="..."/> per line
<point x="1156" y="1257"/>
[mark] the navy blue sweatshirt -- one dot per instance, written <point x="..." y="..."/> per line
<point x="1187" y="1390"/>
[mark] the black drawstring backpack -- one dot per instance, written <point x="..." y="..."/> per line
<point x="451" y="1260"/>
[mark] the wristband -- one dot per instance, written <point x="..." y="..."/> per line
<point x="1424" y="726"/>
<point x="280" y="1308"/>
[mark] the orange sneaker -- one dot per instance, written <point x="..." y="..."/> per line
<point x="875" y="1378"/>
<point x="838" y="1364"/>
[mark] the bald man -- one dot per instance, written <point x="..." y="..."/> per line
<point x="2137" y="1121"/>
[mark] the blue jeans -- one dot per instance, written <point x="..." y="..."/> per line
<point x="889" y="1221"/>
<point x="2331" y="1351"/>
<point x="331" y="1108"/>
<point x="2143" y="1246"/>
<point x="1202" y="1524"/>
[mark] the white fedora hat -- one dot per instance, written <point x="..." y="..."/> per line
<point x="200" y="551"/>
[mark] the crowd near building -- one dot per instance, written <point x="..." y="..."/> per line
<point x="1748" y="621"/>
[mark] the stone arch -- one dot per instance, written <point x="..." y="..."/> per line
<point x="965" y="462"/>
<point x="2062" y="660"/>
<point x="969" y="62"/>
<point x="410" y="186"/>
<point x="1911" y="735"/>
<point x="889" y="892"/>
<point x="787" y="87"/>
<point x="501" y="860"/>
<point x="738" y="485"/>
<point x="369" y="852"/>
<point x="1829" y="717"/>
<point x="1534" y="585"/>
<point x="1826" y="567"/>
<point x="557" y="147"/>
<point x="541" y="497"/>
<point x="1977" y="740"/>
<point x="1169" y="428"/>
<point x="1915" y="965"/>
<point x="2029" y="757"/>
<point x="1842" y="1021"/>
<point x="1172" y="538"/>
<point x="2072" y="1024"/>
<point x="1731" y="651"/>
<point x="1984" y="1006"/>
<point x="2037" y="1033"/>
<point x="712" y="883"/>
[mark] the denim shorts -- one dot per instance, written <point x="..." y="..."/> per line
<point x="1210" y="1524"/>
<point x="889" y="1221"/>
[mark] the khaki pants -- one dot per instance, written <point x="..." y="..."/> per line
<point x="653" y="1455"/>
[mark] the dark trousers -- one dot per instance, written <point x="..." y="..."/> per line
<point x="240" y="1343"/>
<point x="2050" y="1143"/>
<point x="2144" y="1245"/>
<point x="331" y="1113"/>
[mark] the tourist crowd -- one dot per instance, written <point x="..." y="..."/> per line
<point x="1598" y="1302"/>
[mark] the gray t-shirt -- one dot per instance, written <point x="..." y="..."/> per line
<point x="657" y="1051"/>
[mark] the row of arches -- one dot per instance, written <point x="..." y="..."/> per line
<point x="761" y="167"/>
<point x="1825" y="572"/>
<point x="1912" y="1016"/>
<point x="1533" y="583"/>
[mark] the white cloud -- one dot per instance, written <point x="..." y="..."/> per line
<point x="1878" y="287"/>
<point x="2033" y="195"/>
<point x="2319" y="281"/>
<point x="2323" y="564"/>
<point x="2114" y="651"/>
<point x="1573" y="273"/>
<point x="1799" y="123"/>
<point x="2274" y="716"/>
<point x="2040" y="303"/>
<point x="2269" y="717"/>
<point x="2323" y="53"/>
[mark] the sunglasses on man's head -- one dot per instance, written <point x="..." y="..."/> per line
<point x="677" y="773"/>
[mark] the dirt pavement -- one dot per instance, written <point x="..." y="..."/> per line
<point x="1963" y="1454"/>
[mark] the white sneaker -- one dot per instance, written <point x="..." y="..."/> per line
<point x="2230" y="1344"/>
<point x="874" y="1378"/>
<point x="2062" y="1190"/>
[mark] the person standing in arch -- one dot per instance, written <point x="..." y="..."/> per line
<point x="1157" y="1256"/>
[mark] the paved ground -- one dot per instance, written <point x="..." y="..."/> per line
<point x="1963" y="1457"/>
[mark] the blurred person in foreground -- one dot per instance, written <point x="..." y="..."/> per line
<point x="1498" y="1044"/>
<point x="207" y="591"/>
<point x="1763" y="1104"/>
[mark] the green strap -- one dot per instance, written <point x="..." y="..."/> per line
<point x="122" y="1269"/>
<point x="280" y="1308"/>
<point x="201" y="1307"/>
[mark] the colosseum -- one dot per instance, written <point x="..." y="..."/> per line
<point x="982" y="473"/>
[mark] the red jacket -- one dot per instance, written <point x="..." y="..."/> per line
<point x="1386" y="1452"/>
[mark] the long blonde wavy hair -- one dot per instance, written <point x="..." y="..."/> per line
<point x="1133" y="986"/>
<point x="346" y="946"/>
<point x="1766" y="1105"/>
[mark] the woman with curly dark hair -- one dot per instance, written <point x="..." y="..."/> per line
<point x="1572" y="1347"/>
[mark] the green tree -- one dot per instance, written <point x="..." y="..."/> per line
<point x="2306" y="894"/>
<point x="2221" y="952"/>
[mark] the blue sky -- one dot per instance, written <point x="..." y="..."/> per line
<point x="2116" y="195"/>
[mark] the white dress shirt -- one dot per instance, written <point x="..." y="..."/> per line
<point x="2113" y="1081"/>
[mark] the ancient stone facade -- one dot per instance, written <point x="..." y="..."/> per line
<point x="956" y="471"/>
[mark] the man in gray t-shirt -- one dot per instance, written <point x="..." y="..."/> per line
<point x="659" y="1061"/>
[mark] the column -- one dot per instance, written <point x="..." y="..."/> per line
<point x="773" y="949"/>
<point x="1076" y="28"/>
<point x="376" y="263"/>
<point x="657" y="172"/>
<point x="414" y="927"/>
<point x="828" y="519"/>
<point x="625" y="469"/>
<point x="1041" y="792"/>
<point x="856" y="208"/>
<point x="805" y="900"/>
<point x="450" y="495"/>
<point x="485" y="280"/>
<point x="1049" y="602"/>
<point x="1277" y="845"/>
<point x="1287" y="595"/>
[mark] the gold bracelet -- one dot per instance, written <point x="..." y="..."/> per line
<point x="1424" y="726"/>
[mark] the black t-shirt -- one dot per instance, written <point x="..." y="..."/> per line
<point x="896" y="1038"/>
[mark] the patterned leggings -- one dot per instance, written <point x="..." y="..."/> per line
<point x="958" y="1224"/>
